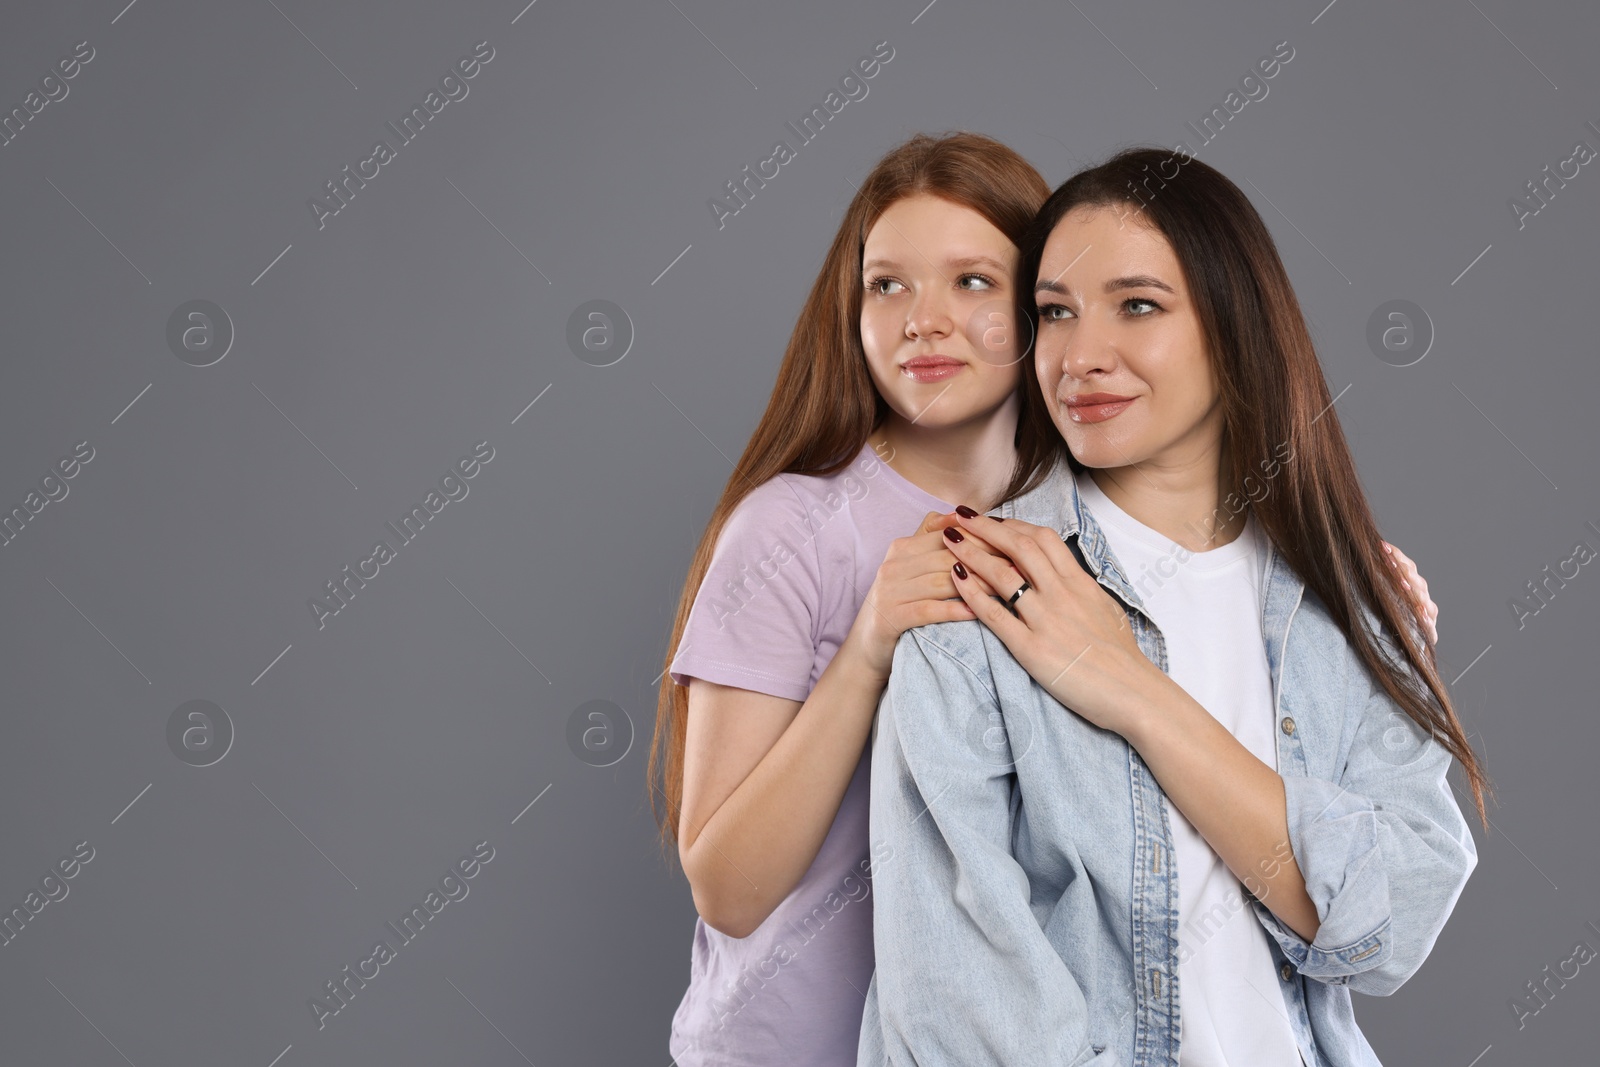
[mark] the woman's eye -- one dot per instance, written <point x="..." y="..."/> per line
<point x="988" y="283"/>
<point x="1132" y="300"/>
<point x="1048" y="312"/>
<point x="875" y="284"/>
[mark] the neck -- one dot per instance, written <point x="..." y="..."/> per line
<point x="1182" y="499"/>
<point x="969" y="464"/>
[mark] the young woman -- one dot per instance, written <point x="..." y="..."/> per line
<point x="1244" y="816"/>
<point x="901" y="390"/>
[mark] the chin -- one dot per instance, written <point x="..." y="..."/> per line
<point x="1093" y="450"/>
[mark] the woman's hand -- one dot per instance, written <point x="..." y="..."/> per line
<point x="1068" y="632"/>
<point x="1421" y="603"/>
<point x="913" y="587"/>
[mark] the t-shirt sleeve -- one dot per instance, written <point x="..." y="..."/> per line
<point x="754" y="620"/>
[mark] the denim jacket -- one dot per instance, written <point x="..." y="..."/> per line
<point x="1027" y="897"/>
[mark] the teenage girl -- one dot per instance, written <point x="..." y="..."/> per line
<point x="900" y="393"/>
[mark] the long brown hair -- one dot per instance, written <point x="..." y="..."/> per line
<point x="1273" y="393"/>
<point x="824" y="405"/>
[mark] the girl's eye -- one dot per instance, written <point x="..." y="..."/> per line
<point x="1047" y="312"/>
<point x="874" y="283"/>
<point x="1140" y="300"/>
<point x="987" y="282"/>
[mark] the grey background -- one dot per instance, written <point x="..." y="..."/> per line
<point x="427" y="315"/>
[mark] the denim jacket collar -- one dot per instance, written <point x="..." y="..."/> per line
<point x="1056" y="503"/>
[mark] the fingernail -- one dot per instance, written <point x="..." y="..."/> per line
<point x="1404" y="584"/>
<point x="1387" y="547"/>
<point x="953" y="534"/>
<point x="963" y="510"/>
<point x="961" y="572"/>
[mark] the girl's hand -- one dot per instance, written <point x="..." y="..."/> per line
<point x="1421" y="603"/>
<point x="1068" y="632"/>
<point x="913" y="587"/>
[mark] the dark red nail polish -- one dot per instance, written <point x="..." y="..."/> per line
<point x="961" y="572"/>
<point x="963" y="510"/>
<point x="953" y="534"/>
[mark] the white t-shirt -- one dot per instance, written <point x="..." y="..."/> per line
<point x="1208" y="606"/>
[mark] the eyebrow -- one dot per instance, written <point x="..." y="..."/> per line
<point x="1132" y="281"/>
<point x="955" y="261"/>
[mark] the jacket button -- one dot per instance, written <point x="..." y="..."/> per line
<point x="1286" y="972"/>
<point x="1287" y="724"/>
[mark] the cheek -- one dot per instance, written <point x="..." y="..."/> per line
<point x="1185" y="395"/>
<point x="991" y="331"/>
<point x="1201" y="386"/>
<point x="1047" y="361"/>
<point x="878" y="336"/>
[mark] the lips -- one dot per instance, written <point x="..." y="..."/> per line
<point x="932" y="368"/>
<point x="1096" y="407"/>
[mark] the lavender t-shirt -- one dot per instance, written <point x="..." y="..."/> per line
<point x="788" y="575"/>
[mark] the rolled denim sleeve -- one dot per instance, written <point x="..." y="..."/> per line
<point x="1385" y="853"/>
<point x="965" y="973"/>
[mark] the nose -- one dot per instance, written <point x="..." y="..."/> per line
<point x="1089" y="348"/>
<point x="930" y="314"/>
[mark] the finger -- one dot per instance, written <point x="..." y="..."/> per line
<point x="1403" y="563"/>
<point x="932" y="570"/>
<point x="1036" y="552"/>
<point x="954" y="609"/>
<point x="939" y="582"/>
<point x="1399" y="562"/>
<point x="936" y="538"/>
<point x="969" y="542"/>
<point x="1426" y="612"/>
<point x="997" y="574"/>
<point x="991" y="612"/>
<point x="1406" y="567"/>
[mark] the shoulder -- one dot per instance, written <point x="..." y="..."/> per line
<point x="1318" y="646"/>
<point x="1318" y="629"/>
<point x="765" y="515"/>
<point x="957" y="651"/>
<point x="837" y="517"/>
<point x="791" y="495"/>
<point x="1327" y="676"/>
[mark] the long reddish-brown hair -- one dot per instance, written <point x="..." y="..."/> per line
<point x="824" y="405"/>
<point x="1273" y="394"/>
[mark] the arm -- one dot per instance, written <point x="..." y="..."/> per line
<point x="1354" y="879"/>
<point x="766" y="763"/>
<point x="965" y="974"/>
<point x="1232" y="798"/>
<point x="1386" y="853"/>
<point x="763" y="778"/>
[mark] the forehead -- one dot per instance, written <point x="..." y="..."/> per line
<point x="1099" y="240"/>
<point x="918" y="228"/>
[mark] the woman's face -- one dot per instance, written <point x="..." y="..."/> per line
<point x="938" y="312"/>
<point x="1115" y="318"/>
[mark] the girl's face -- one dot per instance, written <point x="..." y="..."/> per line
<point x="1115" y="318"/>
<point x="938" y="318"/>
